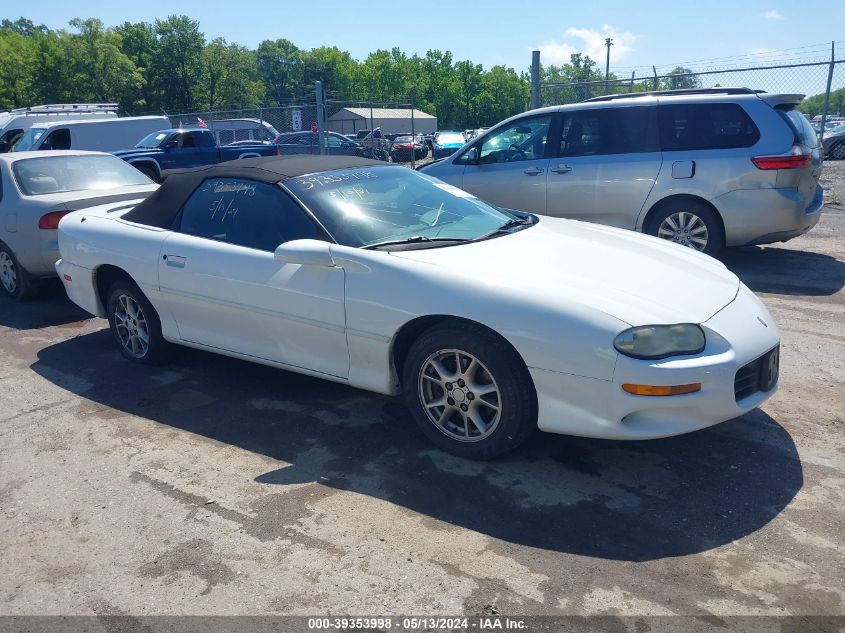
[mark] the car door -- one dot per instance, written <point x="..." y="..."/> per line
<point x="605" y="165"/>
<point x="225" y="290"/>
<point x="512" y="165"/>
<point x="199" y="148"/>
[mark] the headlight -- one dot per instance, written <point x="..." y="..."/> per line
<point x="660" y="341"/>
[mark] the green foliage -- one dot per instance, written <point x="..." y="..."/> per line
<point x="812" y="106"/>
<point x="169" y="66"/>
<point x="680" y="78"/>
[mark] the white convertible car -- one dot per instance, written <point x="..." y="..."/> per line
<point x="491" y="322"/>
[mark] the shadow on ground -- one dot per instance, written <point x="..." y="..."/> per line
<point x="629" y="501"/>
<point x="786" y="271"/>
<point x="50" y="308"/>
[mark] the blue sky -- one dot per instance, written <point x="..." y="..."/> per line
<point x="502" y="31"/>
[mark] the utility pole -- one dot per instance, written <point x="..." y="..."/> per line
<point x="607" y="42"/>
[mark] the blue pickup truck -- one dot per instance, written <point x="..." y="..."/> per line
<point x="184" y="148"/>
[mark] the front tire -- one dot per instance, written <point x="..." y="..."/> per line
<point x="15" y="282"/>
<point x="469" y="392"/>
<point x="135" y="325"/>
<point x="688" y="223"/>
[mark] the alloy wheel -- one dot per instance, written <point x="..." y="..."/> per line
<point x="459" y="395"/>
<point x="684" y="228"/>
<point x="8" y="273"/>
<point x="131" y="326"/>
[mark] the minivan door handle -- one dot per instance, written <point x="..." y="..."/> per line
<point x="533" y="171"/>
<point x="561" y="169"/>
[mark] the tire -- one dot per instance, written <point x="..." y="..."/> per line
<point x="135" y="325"/>
<point x="15" y="282"/>
<point x="505" y="414"/>
<point x="689" y="223"/>
<point x="149" y="172"/>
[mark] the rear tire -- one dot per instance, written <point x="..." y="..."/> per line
<point x="469" y="392"/>
<point x="688" y="223"/>
<point x="15" y="282"/>
<point x="135" y="324"/>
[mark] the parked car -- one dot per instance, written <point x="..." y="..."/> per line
<point x="833" y="143"/>
<point x="704" y="168"/>
<point x="102" y="135"/>
<point x="39" y="188"/>
<point x="164" y="150"/>
<point x="404" y="147"/>
<point x="446" y="143"/>
<point x="491" y="322"/>
<point x="14" y="123"/>
<point x="375" y="145"/>
<point x="309" y="143"/>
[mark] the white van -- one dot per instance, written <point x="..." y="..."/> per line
<point x="103" y="135"/>
<point x="230" y="131"/>
<point x="14" y="123"/>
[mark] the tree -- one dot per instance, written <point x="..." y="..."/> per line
<point x="138" y="43"/>
<point x="18" y="69"/>
<point x="468" y="79"/>
<point x="230" y="76"/>
<point x="105" y="71"/>
<point x="680" y="78"/>
<point x="178" y="63"/>
<point x="280" y="63"/>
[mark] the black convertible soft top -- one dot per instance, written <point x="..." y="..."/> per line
<point x="162" y="206"/>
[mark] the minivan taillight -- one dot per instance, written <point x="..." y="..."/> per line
<point x="51" y="220"/>
<point x="798" y="159"/>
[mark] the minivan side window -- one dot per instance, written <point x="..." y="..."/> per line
<point x="524" y="139"/>
<point x="697" y="126"/>
<point x="57" y="139"/>
<point x="245" y="212"/>
<point x="595" y="132"/>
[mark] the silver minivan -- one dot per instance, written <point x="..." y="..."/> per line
<point x="704" y="168"/>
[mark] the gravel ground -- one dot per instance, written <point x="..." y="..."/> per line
<point x="214" y="486"/>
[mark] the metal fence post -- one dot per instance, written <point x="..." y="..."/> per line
<point x="413" y="133"/>
<point x="318" y="89"/>
<point x="535" y="80"/>
<point x="654" y="70"/>
<point x="827" y="96"/>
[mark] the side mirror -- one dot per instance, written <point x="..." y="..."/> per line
<point x="471" y="156"/>
<point x="305" y="252"/>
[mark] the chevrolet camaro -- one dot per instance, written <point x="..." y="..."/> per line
<point x="491" y="323"/>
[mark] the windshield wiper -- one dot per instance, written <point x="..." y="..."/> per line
<point x="416" y="239"/>
<point x="506" y="227"/>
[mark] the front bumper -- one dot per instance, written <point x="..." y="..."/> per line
<point x="575" y="405"/>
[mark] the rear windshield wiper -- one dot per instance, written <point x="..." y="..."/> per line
<point x="417" y="239"/>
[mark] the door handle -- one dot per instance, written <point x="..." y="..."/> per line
<point x="562" y="169"/>
<point x="533" y="171"/>
<point x="177" y="261"/>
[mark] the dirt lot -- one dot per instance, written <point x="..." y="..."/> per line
<point x="213" y="486"/>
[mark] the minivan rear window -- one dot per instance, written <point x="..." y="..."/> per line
<point x="800" y="125"/>
<point x="697" y="126"/>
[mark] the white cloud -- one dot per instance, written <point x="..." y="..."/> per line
<point x="773" y="15"/>
<point x="592" y="44"/>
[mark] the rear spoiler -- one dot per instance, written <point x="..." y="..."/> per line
<point x="775" y="100"/>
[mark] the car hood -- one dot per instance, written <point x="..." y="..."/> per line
<point x="636" y="278"/>
<point x="449" y="145"/>
<point x="74" y="200"/>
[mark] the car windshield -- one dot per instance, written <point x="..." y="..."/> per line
<point x="370" y="205"/>
<point x="449" y="138"/>
<point x="403" y="139"/>
<point x="29" y="139"/>
<point x="58" y="174"/>
<point x="152" y="140"/>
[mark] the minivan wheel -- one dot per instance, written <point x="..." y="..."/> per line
<point x="469" y="392"/>
<point x="15" y="282"/>
<point x="135" y="324"/>
<point x="689" y="223"/>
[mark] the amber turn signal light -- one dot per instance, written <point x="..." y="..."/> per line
<point x="657" y="390"/>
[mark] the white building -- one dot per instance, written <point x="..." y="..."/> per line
<point x="390" y="120"/>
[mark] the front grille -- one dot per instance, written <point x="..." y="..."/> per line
<point x="761" y="374"/>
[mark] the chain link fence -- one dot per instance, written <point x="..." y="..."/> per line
<point x="249" y="124"/>
<point x="821" y="82"/>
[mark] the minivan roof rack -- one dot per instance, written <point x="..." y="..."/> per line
<point x="682" y="91"/>
<point x="66" y="107"/>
